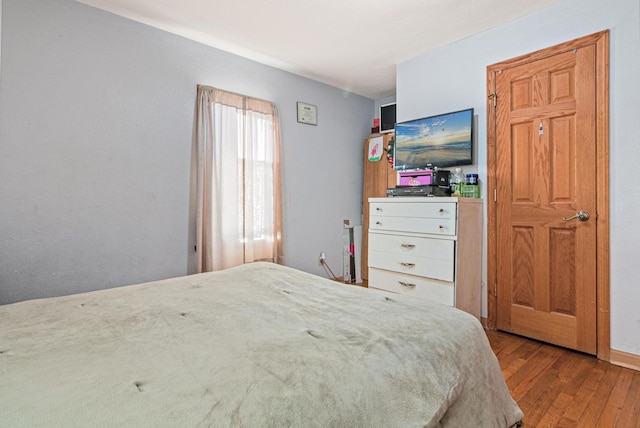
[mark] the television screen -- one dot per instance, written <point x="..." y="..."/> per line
<point x="387" y="117"/>
<point x="436" y="141"/>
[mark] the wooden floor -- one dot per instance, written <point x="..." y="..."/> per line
<point x="556" y="387"/>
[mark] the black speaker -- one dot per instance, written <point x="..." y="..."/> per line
<point x="441" y="178"/>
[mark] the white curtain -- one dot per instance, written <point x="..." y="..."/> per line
<point x="239" y="215"/>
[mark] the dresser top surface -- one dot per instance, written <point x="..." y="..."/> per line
<point x="432" y="199"/>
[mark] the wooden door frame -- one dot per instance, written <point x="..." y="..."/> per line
<point x="601" y="42"/>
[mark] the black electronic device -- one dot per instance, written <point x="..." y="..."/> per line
<point x="441" y="178"/>
<point x="387" y="118"/>
<point x="426" y="190"/>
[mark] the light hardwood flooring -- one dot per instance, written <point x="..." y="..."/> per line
<point x="556" y="387"/>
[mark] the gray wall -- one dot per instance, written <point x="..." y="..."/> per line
<point x="454" y="77"/>
<point x="96" y="119"/>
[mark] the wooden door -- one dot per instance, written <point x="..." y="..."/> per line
<point x="546" y="140"/>
<point x="377" y="177"/>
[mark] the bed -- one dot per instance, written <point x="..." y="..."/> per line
<point x="259" y="345"/>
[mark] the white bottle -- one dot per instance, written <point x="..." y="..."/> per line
<point x="456" y="182"/>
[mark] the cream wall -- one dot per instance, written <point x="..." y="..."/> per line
<point x="454" y="77"/>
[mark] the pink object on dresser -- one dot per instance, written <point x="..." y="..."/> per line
<point x="415" y="178"/>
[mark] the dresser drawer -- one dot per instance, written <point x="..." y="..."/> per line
<point x="421" y="266"/>
<point x="414" y="209"/>
<point x="437" y="226"/>
<point x="434" y="290"/>
<point x="440" y="249"/>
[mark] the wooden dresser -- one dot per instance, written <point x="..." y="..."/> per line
<point x="378" y="177"/>
<point x="429" y="247"/>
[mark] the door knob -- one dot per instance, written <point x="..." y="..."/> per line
<point x="580" y="215"/>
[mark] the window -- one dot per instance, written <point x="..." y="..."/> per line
<point x="239" y="214"/>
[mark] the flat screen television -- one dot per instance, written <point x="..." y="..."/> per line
<point x="439" y="141"/>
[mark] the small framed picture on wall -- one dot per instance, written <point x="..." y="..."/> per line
<point x="307" y="113"/>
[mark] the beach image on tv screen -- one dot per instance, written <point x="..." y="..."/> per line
<point x="442" y="140"/>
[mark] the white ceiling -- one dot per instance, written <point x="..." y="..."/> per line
<point x="350" y="44"/>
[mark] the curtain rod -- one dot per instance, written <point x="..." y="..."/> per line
<point x="198" y="86"/>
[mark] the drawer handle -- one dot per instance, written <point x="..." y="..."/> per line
<point x="441" y="227"/>
<point x="378" y="209"/>
<point x="407" y="245"/>
<point x="378" y="223"/>
<point x="405" y="264"/>
<point x="441" y="210"/>
<point x="406" y="284"/>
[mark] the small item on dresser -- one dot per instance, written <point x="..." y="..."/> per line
<point x="471" y="188"/>
<point x="456" y="182"/>
<point x="426" y="190"/>
<point x="470" y="191"/>
<point x="441" y="177"/>
<point x="415" y="178"/>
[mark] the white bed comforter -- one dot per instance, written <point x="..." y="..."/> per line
<point x="259" y="345"/>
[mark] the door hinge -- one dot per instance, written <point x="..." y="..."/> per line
<point x="493" y="97"/>
<point x="495" y="195"/>
<point x="495" y="289"/>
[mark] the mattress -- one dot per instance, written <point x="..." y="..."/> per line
<point x="259" y="345"/>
